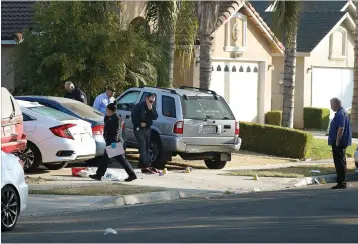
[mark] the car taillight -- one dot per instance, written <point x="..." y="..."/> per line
<point x="98" y="130"/>
<point x="178" y="127"/>
<point x="123" y="127"/>
<point x="21" y="163"/>
<point x="62" y="131"/>
<point x="237" y="128"/>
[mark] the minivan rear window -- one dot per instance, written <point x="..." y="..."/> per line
<point x="53" y="113"/>
<point x="206" y="107"/>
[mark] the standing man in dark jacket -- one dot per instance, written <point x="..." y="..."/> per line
<point x="73" y="92"/>
<point x="112" y="133"/>
<point x="143" y="115"/>
<point x="340" y="137"/>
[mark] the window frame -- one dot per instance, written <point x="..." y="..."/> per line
<point x="174" y="112"/>
<point x="124" y="95"/>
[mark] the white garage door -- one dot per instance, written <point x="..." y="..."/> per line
<point x="331" y="82"/>
<point x="238" y="83"/>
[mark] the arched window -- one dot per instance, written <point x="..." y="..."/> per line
<point x="338" y="44"/>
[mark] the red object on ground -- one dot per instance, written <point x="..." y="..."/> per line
<point x="76" y="170"/>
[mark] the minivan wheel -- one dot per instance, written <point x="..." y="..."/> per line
<point x="10" y="208"/>
<point x="56" y="166"/>
<point x="156" y="153"/>
<point x="214" y="164"/>
<point x="31" y="157"/>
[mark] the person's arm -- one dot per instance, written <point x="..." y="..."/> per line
<point x="154" y="113"/>
<point x="340" y="128"/>
<point x="83" y="97"/>
<point x="96" y="103"/>
<point x="135" y="117"/>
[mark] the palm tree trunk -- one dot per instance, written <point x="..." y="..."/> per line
<point x="289" y="83"/>
<point x="354" y="111"/>
<point x="206" y="52"/>
<point x="171" y="57"/>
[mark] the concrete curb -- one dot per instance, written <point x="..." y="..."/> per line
<point x="327" y="178"/>
<point x="153" y="197"/>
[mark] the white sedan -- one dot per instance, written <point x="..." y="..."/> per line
<point x="54" y="138"/>
<point x="14" y="190"/>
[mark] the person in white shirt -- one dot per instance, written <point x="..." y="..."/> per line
<point x="101" y="102"/>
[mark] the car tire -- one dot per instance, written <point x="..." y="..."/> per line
<point x="159" y="160"/>
<point x="31" y="156"/>
<point x="214" y="163"/>
<point x="56" y="166"/>
<point x="10" y="200"/>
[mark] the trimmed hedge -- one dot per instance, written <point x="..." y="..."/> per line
<point x="316" y="118"/>
<point x="274" y="117"/>
<point x="275" y="140"/>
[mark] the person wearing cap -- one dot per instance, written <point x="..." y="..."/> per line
<point x="112" y="133"/>
<point x="73" y="92"/>
<point x="102" y="100"/>
<point x="143" y="115"/>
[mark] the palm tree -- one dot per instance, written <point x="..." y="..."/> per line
<point x="354" y="111"/>
<point x="175" y="24"/>
<point x="207" y="14"/>
<point x="285" y="24"/>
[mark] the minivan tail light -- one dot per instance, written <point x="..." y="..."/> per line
<point x="237" y="128"/>
<point x="62" y="131"/>
<point x="178" y="127"/>
<point x="97" y="130"/>
<point x="123" y="126"/>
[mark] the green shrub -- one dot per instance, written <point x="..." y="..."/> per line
<point x="275" y="140"/>
<point x="316" y="118"/>
<point x="273" y="117"/>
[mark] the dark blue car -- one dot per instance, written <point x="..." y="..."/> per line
<point x="78" y="110"/>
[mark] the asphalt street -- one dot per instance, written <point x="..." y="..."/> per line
<point x="311" y="214"/>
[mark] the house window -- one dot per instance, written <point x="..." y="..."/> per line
<point x="338" y="44"/>
<point x="236" y="34"/>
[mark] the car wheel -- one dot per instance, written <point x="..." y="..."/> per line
<point x="214" y="164"/>
<point x="31" y="157"/>
<point x="56" y="166"/>
<point x="156" y="155"/>
<point x="10" y="207"/>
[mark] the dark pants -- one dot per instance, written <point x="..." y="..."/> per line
<point x="340" y="162"/>
<point x="143" y="140"/>
<point x="103" y="165"/>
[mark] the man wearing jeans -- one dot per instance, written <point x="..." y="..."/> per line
<point x="143" y="115"/>
<point x="340" y="137"/>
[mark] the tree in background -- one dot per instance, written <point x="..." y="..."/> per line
<point x="207" y="14"/>
<point x="354" y="111"/>
<point x="175" y="26"/>
<point x="83" y="42"/>
<point x="285" y="25"/>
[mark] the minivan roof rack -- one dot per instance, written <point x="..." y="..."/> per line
<point x="199" y="89"/>
<point x="163" y="88"/>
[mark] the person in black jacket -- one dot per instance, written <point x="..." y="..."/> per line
<point x="112" y="133"/>
<point x="73" y="92"/>
<point x="143" y="115"/>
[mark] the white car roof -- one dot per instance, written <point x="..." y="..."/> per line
<point x="28" y="104"/>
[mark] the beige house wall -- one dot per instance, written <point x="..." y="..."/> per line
<point x="131" y="10"/>
<point x="258" y="50"/>
<point x="7" y="80"/>
<point x="318" y="57"/>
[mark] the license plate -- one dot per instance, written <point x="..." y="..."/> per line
<point x="209" y="129"/>
<point x="7" y="131"/>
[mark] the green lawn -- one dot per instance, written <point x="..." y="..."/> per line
<point x="291" y="172"/>
<point x="321" y="150"/>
